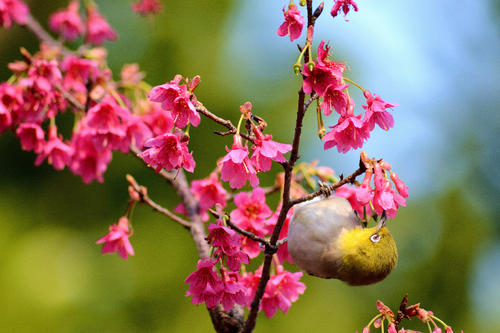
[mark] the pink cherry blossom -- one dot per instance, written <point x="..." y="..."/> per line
<point x="169" y="151"/>
<point x="5" y="118"/>
<point x="56" y="151"/>
<point x="335" y="98"/>
<point x="400" y="185"/>
<point x="325" y="72"/>
<point x="236" y="167"/>
<point x="228" y="245"/>
<point x="44" y="75"/>
<point x="204" y="284"/>
<point x="233" y="292"/>
<point x="176" y="98"/>
<point x="137" y="133"/>
<point x="366" y="330"/>
<point x="98" y="29"/>
<point x="392" y="328"/>
<point x="376" y="113"/>
<point x="158" y="120"/>
<point x="78" y="72"/>
<point x="209" y="191"/>
<point x="266" y="150"/>
<point x="146" y="7"/>
<point x="294" y="22"/>
<point x="387" y="200"/>
<point x="250" y="214"/>
<point x="67" y="22"/>
<point x="349" y="133"/>
<point x="31" y="137"/>
<point x="343" y="5"/>
<point x="118" y="239"/>
<point x="106" y="123"/>
<point x="437" y="330"/>
<point x="88" y="161"/>
<point x="350" y="193"/>
<point x="12" y="10"/>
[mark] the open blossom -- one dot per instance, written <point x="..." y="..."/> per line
<point x="387" y="200"/>
<point x="12" y="10"/>
<point x="294" y="22"/>
<point x="267" y="150"/>
<point x="176" y="98"/>
<point x="400" y="185"/>
<point x="78" y="72"/>
<point x="250" y="214"/>
<point x="31" y="137"/>
<point x="236" y="167"/>
<point x="343" y="5"/>
<point x="350" y="193"/>
<point x="281" y="291"/>
<point x="349" y="133"/>
<point x="67" y="22"/>
<point x="335" y="98"/>
<point x="117" y="239"/>
<point x="98" y="29"/>
<point x="146" y="7"/>
<point x="204" y="284"/>
<point x="169" y="151"/>
<point x="44" y="75"/>
<point x="137" y="132"/>
<point x="209" y="191"/>
<point x="376" y="113"/>
<point x="233" y="292"/>
<point x="227" y="244"/>
<point x="325" y="72"/>
<point x="159" y="120"/>
<point x="56" y="151"/>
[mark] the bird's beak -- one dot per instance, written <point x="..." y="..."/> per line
<point x="382" y="221"/>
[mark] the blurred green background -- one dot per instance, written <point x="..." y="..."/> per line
<point x="439" y="60"/>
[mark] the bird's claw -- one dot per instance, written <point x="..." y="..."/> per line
<point x="325" y="190"/>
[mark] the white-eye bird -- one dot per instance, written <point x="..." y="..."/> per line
<point x="326" y="239"/>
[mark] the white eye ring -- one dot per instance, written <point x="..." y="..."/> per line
<point x="375" y="238"/>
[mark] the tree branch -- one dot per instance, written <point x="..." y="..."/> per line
<point x="35" y="27"/>
<point x="144" y="198"/>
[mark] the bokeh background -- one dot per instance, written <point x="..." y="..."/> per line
<point x="439" y="60"/>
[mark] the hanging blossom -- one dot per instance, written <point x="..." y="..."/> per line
<point x="32" y="137"/>
<point x="55" y="151"/>
<point x="67" y="22"/>
<point x="169" y="151"/>
<point x="250" y="214"/>
<point x="345" y="6"/>
<point x="117" y="240"/>
<point x="236" y="167"/>
<point x="336" y="99"/>
<point x="294" y="22"/>
<point x="325" y="72"/>
<point x="266" y="150"/>
<point x="78" y="72"/>
<point x="376" y="111"/>
<point x="12" y="11"/>
<point x="350" y="132"/>
<point x="176" y="98"/>
<point x="227" y="244"/>
<point x="98" y="29"/>
<point x="147" y="7"/>
<point x="281" y="291"/>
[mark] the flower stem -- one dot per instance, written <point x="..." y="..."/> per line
<point x="357" y="85"/>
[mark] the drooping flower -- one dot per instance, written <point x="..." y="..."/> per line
<point x="266" y="150"/>
<point x="159" y="120"/>
<point x="345" y="6"/>
<point x="12" y="10"/>
<point x="392" y="328"/>
<point x="349" y="133"/>
<point x="376" y="112"/>
<point x="204" y="284"/>
<point x="5" y="118"/>
<point x="350" y="193"/>
<point x="236" y="167"/>
<point x="117" y="240"/>
<point x="387" y="200"/>
<point x="56" y="151"/>
<point x="335" y="98"/>
<point x="209" y="191"/>
<point x="250" y="214"/>
<point x="98" y="29"/>
<point x="325" y="72"/>
<point x="67" y="22"/>
<point x="227" y="244"/>
<point x="233" y="292"/>
<point x="78" y="72"/>
<point x="31" y="137"/>
<point x="177" y="99"/>
<point x="147" y="7"/>
<point x="294" y="22"/>
<point x="169" y="151"/>
<point x="137" y="133"/>
<point x="400" y="185"/>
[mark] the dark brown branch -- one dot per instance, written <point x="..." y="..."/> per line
<point x="224" y="122"/>
<point x="144" y="198"/>
<point x="401" y="311"/>
<point x="350" y="179"/>
<point x="246" y="233"/>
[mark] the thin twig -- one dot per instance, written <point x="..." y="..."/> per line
<point x="35" y="27"/>
<point x="66" y="94"/>
<point x="333" y="187"/>
<point x="246" y="233"/>
<point x="144" y="198"/>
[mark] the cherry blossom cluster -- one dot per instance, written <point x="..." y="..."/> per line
<point x="368" y="200"/>
<point x="294" y="21"/>
<point x="147" y="7"/>
<point x="325" y="78"/>
<point x="406" y="312"/>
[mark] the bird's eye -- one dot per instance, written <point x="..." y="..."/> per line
<point x="375" y="238"/>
